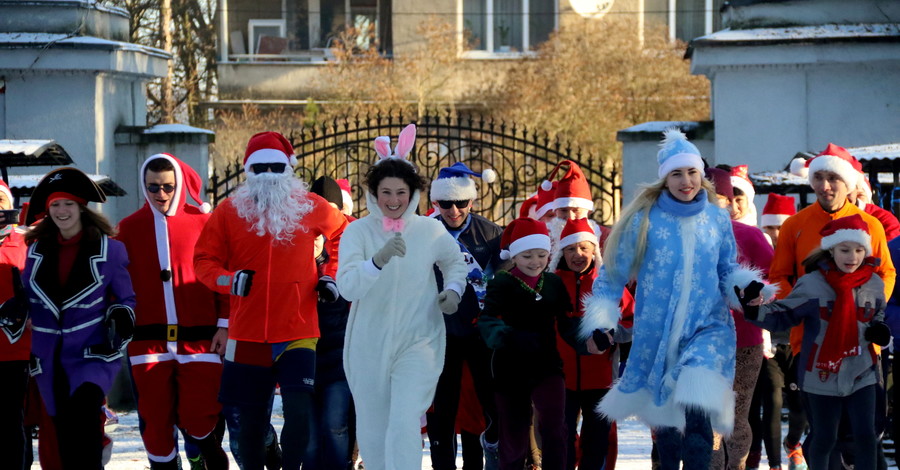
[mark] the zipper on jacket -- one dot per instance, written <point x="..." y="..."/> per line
<point x="578" y="307"/>
<point x="267" y="294"/>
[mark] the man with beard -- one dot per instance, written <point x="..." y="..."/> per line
<point x="258" y="246"/>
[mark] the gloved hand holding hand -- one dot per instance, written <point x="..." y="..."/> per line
<point x="241" y="282"/>
<point x="327" y="289"/>
<point x="602" y="340"/>
<point x="750" y="299"/>
<point x="121" y="320"/>
<point x="878" y="333"/>
<point x="448" y="301"/>
<point x="395" y="246"/>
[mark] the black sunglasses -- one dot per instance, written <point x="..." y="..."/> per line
<point x="449" y="204"/>
<point x="264" y="167"/>
<point x="167" y="188"/>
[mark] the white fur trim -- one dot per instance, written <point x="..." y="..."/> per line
<point x="742" y="277"/>
<point x="542" y="211"/>
<point x="798" y="167"/>
<point x="546" y="185"/>
<point x="528" y="242"/>
<point x="848" y="235"/>
<point x="457" y="188"/>
<point x="269" y="156"/>
<point x="618" y="406"/>
<point x="578" y="237"/>
<point x="680" y="160"/>
<point x="599" y="314"/>
<point x="488" y="176"/>
<point x="205" y="208"/>
<point x="574" y="202"/>
<point x="837" y="165"/>
<point x="504" y="255"/>
<point x="745" y="186"/>
<point x="772" y="219"/>
<point x="706" y="390"/>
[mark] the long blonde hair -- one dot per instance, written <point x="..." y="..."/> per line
<point x="641" y="204"/>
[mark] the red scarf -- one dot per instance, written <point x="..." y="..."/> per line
<point x="842" y="336"/>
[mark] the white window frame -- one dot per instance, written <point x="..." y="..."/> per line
<point x="262" y="23"/>
<point x="490" y="53"/>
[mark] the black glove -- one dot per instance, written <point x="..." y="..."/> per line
<point x="751" y="292"/>
<point x="120" y="320"/>
<point x="14" y="311"/>
<point x="327" y="289"/>
<point x="241" y="282"/>
<point x="878" y="332"/>
<point x="523" y="340"/>
<point x="601" y="339"/>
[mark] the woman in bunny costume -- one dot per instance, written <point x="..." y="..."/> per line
<point x="394" y="348"/>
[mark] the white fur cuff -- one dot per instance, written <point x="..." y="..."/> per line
<point x="705" y="390"/>
<point x="742" y="277"/>
<point x="599" y="313"/>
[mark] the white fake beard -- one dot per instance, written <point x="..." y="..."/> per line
<point x="273" y="203"/>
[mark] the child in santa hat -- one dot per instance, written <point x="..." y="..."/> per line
<point x="572" y="200"/>
<point x="838" y="345"/>
<point x="522" y="308"/>
<point x="777" y="209"/>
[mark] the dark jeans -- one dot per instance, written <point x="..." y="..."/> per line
<point x="768" y="397"/>
<point x="12" y="413"/>
<point x="233" y="421"/>
<point x="514" y="414"/>
<point x="79" y="427"/>
<point x="594" y="441"/>
<point x="442" y="417"/>
<point x="693" y="447"/>
<point x="330" y="443"/>
<point x="825" y="416"/>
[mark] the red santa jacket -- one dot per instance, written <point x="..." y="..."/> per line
<point x="281" y="305"/>
<point x="12" y="254"/>
<point x="173" y="306"/>
<point x="596" y="371"/>
<point x="887" y="219"/>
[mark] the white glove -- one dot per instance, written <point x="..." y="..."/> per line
<point x="396" y="246"/>
<point x="448" y="301"/>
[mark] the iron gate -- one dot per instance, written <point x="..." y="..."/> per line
<point x="522" y="158"/>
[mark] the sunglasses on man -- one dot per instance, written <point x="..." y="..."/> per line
<point x="260" y="168"/>
<point x="168" y="188"/>
<point x="449" y="204"/>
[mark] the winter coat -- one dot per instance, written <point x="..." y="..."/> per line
<point x="70" y="322"/>
<point x="683" y="351"/>
<point x="15" y="343"/>
<point x="482" y="239"/>
<point x="521" y="329"/>
<point x="892" y="311"/>
<point x="281" y="305"/>
<point x="810" y="302"/>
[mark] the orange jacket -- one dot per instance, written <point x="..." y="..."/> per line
<point x="281" y="305"/>
<point x="800" y="236"/>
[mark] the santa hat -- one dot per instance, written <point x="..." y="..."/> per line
<point x="575" y="231"/>
<point x="269" y="147"/>
<point x="529" y="207"/>
<point x="4" y="188"/>
<point x="453" y="183"/>
<point x="676" y="152"/>
<point x="835" y="159"/>
<point x="846" y="229"/>
<point x="545" y="199"/>
<point x="573" y="189"/>
<point x="62" y="183"/>
<point x="405" y="143"/>
<point x="346" y="193"/>
<point x="185" y="177"/>
<point x="523" y="234"/>
<point x="721" y="179"/>
<point x="740" y="179"/>
<point x="778" y="208"/>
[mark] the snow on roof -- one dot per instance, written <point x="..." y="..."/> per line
<point x="800" y="33"/>
<point x="27" y="147"/>
<point x="176" y="129"/>
<point x="660" y="126"/>
<point x="863" y="154"/>
<point x="876" y="152"/>
<point x="45" y="39"/>
<point x="32" y="153"/>
<point x="101" y="5"/>
<point x="27" y="183"/>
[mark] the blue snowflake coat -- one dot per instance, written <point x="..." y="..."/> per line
<point x="683" y="352"/>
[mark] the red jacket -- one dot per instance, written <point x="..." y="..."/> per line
<point x="596" y="371"/>
<point x="281" y="305"/>
<point x="887" y="219"/>
<point x="12" y="254"/>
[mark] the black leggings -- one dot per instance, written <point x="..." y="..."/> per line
<point x="12" y="407"/>
<point x="825" y="417"/>
<point x="79" y="428"/>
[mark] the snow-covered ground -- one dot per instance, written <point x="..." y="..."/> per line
<point x="128" y="450"/>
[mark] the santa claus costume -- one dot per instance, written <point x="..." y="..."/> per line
<point x="258" y="246"/>
<point x="174" y="366"/>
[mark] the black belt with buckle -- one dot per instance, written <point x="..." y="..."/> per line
<point x="174" y="332"/>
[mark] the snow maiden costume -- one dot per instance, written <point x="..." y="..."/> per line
<point x="683" y="354"/>
<point x="394" y="348"/>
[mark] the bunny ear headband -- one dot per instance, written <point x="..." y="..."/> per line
<point x="404" y="144"/>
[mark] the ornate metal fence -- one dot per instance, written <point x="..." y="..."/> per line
<point x="522" y="158"/>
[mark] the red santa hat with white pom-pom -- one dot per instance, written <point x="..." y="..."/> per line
<point x="835" y="159"/>
<point x="523" y="234"/>
<point x="573" y="189"/>
<point x="778" y="208"/>
<point x="269" y="147"/>
<point x="576" y="231"/>
<point x="846" y="229"/>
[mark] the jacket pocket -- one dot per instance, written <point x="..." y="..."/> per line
<point x="104" y="352"/>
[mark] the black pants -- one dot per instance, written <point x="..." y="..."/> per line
<point x="442" y="418"/>
<point x="825" y="417"/>
<point x="768" y="397"/>
<point x="594" y="441"/>
<point x="12" y="412"/>
<point x="79" y="427"/>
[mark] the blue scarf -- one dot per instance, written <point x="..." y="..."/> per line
<point x="669" y="204"/>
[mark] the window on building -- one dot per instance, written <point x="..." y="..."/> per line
<point x="508" y="25"/>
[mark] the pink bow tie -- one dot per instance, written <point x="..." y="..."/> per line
<point x="392" y="225"/>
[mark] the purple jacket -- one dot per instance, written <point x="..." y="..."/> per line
<point x="755" y="252"/>
<point x="69" y="321"/>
